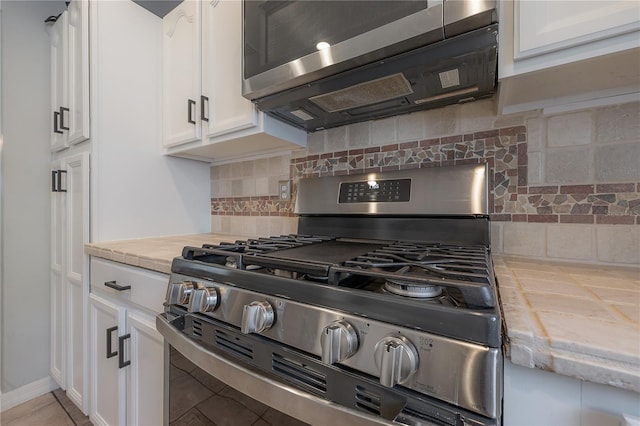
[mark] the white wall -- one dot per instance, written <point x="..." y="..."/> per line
<point x="25" y="192"/>
<point x="1" y="240"/>
<point x="136" y="190"/>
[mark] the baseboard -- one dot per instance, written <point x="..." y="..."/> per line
<point x="26" y="393"/>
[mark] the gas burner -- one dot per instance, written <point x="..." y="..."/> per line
<point x="411" y="289"/>
<point x="317" y="278"/>
<point x="407" y="289"/>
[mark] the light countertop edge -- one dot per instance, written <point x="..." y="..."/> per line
<point x="154" y="253"/>
<point x="578" y="320"/>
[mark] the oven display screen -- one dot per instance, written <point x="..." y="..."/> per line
<point x="380" y="191"/>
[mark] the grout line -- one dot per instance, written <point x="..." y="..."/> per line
<point x="77" y="417"/>
<point x="63" y="407"/>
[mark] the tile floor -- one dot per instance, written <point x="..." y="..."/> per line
<point x="50" y="409"/>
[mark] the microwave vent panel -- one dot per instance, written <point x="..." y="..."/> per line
<point x="368" y="93"/>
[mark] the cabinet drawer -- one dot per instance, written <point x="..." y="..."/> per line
<point x="146" y="288"/>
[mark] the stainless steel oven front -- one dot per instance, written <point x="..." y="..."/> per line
<point x="204" y="386"/>
<point x="383" y="310"/>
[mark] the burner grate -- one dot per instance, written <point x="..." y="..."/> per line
<point x="267" y="244"/>
<point x="424" y="270"/>
<point x="398" y="269"/>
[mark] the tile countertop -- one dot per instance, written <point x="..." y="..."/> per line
<point x="577" y="320"/>
<point x="154" y="253"/>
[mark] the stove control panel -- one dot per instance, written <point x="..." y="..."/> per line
<point x="257" y="317"/>
<point x="380" y="191"/>
<point x="179" y="293"/>
<point x="203" y="300"/>
<point x="397" y="355"/>
<point x="396" y="359"/>
<point x="339" y="341"/>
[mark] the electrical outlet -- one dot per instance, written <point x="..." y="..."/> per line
<point x="284" y="190"/>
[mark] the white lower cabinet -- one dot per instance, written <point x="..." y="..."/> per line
<point x="534" y="397"/>
<point x="108" y="392"/>
<point x="127" y="352"/>
<point x="69" y="283"/>
<point x="145" y="380"/>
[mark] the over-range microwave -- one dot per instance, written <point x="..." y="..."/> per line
<point x="321" y="64"/>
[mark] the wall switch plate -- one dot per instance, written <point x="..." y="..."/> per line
<point x="284" y="190"/>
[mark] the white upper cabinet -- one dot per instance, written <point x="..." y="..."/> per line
<point x="205" y="115"/>
<point x="78" y="71"/>
<point x="567" y="54"/>
<point x="182" y="79"/>
<point x="228" y="111"/>
<point x="546" y="26"/>
<point x="58" y="39"/>
<point x="69" y="38"/>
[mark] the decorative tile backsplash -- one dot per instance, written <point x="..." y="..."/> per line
<point x="511" y="199"/>
<point x="563" y="186"/>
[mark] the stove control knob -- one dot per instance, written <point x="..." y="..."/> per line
<point x="339" y="341"/>
<point x="396" y="359"/>
<point x="179" y="293"/>
<point x="203" y="300"/>
<point x="257" y="317"/>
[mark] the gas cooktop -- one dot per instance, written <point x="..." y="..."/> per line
<point x="403" y="282"/>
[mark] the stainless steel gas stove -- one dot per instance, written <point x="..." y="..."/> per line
<point x="382" y="309"/>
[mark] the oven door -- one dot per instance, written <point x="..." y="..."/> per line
<point x="282" y="39"/>
<point x="204" y="386"/>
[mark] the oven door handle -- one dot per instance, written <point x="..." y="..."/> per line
<point x="257" y="385"/>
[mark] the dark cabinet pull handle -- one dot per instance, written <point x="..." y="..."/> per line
<point x="121" y="362"/>
<point x="203" y="100"/>
<point x="110" y="353"/>
<point x="115" y="286"/>
<point x="53" y="180"/>
<point x="190" y="104"/>
<point x="56" y="114"/>
<point x="60" y="188"/>
<point x="62" y="111"/>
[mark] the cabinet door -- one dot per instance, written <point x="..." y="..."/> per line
<point x="57" y="288"/>
<point x="227" y="110"/>
<point x="76" y="266"/>
<point x="145" y="378"/>
<point x="77" y="115"/>
<point x="181" y="74"/>
<point x="108" y="383"/>
<point x="546" y="26"/>
<point x="58" y="39"/>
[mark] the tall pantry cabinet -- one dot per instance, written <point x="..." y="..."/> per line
<point x="68" y="283"/>
<point x="116" y="183"/>
<point x="69" y="124"/>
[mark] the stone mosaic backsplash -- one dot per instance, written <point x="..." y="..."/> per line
<point x="511" y="198"/>
<point x="612" y="204"/>
<point x="251" y="206"/>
